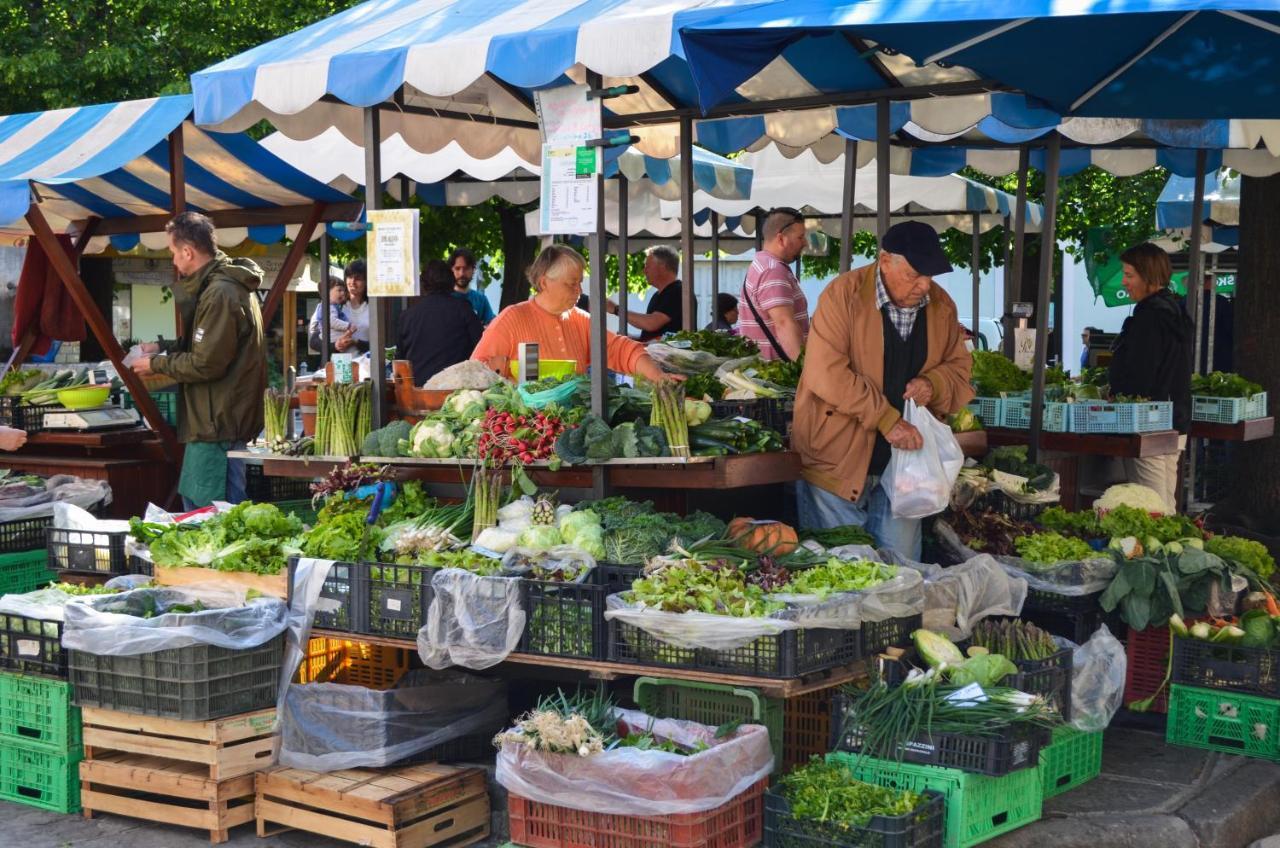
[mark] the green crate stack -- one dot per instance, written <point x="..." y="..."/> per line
<point x="24" y="571"/>
<point x="1217" y="720"/>
<point x="1072" y="759"/>
<point x="40" y="743"/>
<point x="711" y="704"/>
<point x="978" y="807"/>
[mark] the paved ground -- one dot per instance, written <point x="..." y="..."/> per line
<point x="1149" y="794"/>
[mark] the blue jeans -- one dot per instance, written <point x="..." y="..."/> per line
<point x="819" y="509"/>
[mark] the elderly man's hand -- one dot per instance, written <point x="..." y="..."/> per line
<point x="919" y="390"/>
<point x="904" y="436"/>
<point x="149" y="347"/>
<point x="142" y="366"/>
<point x="12" y="439"/>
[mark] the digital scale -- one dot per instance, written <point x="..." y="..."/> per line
<point x="99" y="418"/>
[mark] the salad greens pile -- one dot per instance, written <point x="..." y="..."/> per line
<point x="1246" y="552"/>
<point x="251" y="537"/>
<point x="715" y="343"/>
<point x="692" y="585"/>
<point x="995" y="374"/>
<point x="1224" y="385"/>
<point x="839" y="575"/>
<point x="828" y="793"/>
<point x="1050" y="548"/>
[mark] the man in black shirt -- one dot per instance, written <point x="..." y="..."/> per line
<point x="439" y="330"/>
<point x="665" y="313"/>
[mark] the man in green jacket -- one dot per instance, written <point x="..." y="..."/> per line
<point x="219" y="363"/>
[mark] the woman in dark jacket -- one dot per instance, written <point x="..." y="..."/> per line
<point x="1152" y="359"/>
<point x="439" y="330"/>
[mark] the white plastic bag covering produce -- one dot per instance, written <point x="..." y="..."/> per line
<point x="332" y="726"/>
<point x="959" y="597"/>
<point x="112" y="625"/>
<point x="1097" y="681"/>
<point x="919" y="482"/>
<point x="679" y="360"/>
<point x="473" y="621"/>
<point x="901" y="596"/>
<point x="635" y="782"/>
<point x="696" y="629"/>
<point x="1074" y="578"/>
<point x="519" y="562"/>
<point x="43" y="604"/>
<point x="60" y="488"/>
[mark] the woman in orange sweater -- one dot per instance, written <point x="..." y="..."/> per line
<point x="561" y="330"/>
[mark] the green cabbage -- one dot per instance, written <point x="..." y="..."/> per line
<point x="539" y="537"/>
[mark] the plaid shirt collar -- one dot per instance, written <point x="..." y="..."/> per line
<point x="903" y="317"/>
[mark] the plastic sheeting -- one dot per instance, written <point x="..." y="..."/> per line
<point x="680" y="360"/>
<point x="1074" y="578"/>
<point x="1097" y="681"/>
<point x="60" y="488"/>
<point x="634" y="782"/>
<point x="473" y="621"/>
<point x="331" y="726"/>
<point x="112" y="625"/>
<point x="958" y="597"/>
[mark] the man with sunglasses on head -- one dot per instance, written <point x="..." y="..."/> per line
<point x="774" y="312"/>
<point x="882" y="335"/>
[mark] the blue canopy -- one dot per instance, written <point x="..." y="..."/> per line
<point x="1221" y="202"/>
<point x="1169" y="59"/>
<point x="111" y="161"/>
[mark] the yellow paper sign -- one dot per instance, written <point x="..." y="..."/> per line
<point x="393" y="253"/>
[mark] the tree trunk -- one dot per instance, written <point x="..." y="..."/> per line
<point x="518" y="250"/>
<point x="1257" y="343"/>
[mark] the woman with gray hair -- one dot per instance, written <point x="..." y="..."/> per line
<point x="552" y="320"/>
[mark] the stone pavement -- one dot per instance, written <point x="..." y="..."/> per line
<point x="1149" y="795"/>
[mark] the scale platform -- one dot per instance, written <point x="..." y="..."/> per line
<point x="85" y="420"/>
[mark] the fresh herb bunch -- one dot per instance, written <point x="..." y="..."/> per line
<point x="838" y="575"/>
<point x="826" y="792"/>
<point x="1248" y="553"/>
<point x="1224" y="385"/>
<point x="703" y="385"/>
<point x="1049" y="548"/>
<point x="715" y="343"/>
<point x="1013" y="638"/>
<point x="995" y="374"/>
<point x="691" y="585"/>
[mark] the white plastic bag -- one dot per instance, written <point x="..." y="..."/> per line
<point x="959" y="597"/>
<point x="1097" y="681"/>
<point x="919" y="482"/>
<point x="473" y="621"/>
<point x="636" y="782"/>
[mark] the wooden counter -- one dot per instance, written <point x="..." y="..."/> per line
<point x="1123" y="445"/>
<point x="1243" y="431"/>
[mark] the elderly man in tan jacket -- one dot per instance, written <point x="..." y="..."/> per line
<point x="881" y="335"/>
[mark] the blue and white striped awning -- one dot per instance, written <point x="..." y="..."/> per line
<point x="111" y="161"/>
<point x="1221" y="201"/>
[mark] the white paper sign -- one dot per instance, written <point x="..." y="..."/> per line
<point x="569" y="196"/>
<point x="392" y="245"/>
<point x="1024" y="348"/>
<point x="566" y="116"/>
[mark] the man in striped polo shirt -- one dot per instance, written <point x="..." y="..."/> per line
<point x="773" y="310"/>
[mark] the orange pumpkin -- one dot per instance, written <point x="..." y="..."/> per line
<point x="763" y="537"/>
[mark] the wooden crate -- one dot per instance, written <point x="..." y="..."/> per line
<point x="223" y="748"/>
<point x="407" y="807"/>
<point x="275" y="585"/>
<point x="163" y="790"/>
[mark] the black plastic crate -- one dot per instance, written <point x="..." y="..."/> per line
<point x="472" y="748"/>
<point x="343" y="605"/>
<point x="920" y="828"/>
<point x="565" y="619"/>
<point x="195" y="683"/>
<point x="138" y="565"/>
<point x="890" y="633"/>
<point x="791" y="653"/>
<point x="1050" y="677"/>
<point x="264" y="489"/>
<point x="25" y="534"/>
<point x="395" y="598"/>
<point x="31" y="645"/>
<point x="1211" y="665"/>
<point x="26" y="416"/>
<point x="774" y="413"/>
<point x="998" y="501"/>
<point x="1016" y="747"/>
<point x="89" y="551"/>
<point x="1075" y="617"/>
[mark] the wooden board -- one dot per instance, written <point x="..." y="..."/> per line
<point x="408" y="807"/>
<point x="224" y="748"/>
<point x="159" y="789"/>
<point x="1243" y="431"/>
<point x="1132" y="445"/>
<point x="276" y="585"/>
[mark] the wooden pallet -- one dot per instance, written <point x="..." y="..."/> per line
<point x="163" y="790"/>
<point x="408" y="807"/>
<point x="224" y="747"/>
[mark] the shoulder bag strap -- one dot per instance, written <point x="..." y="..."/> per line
<point x="777" y="348"/>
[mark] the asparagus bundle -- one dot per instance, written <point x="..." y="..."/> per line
<point x="275" y="408"/>
<point x="668" y="413"/>
<point x="487" y="491"/>
<point x="343" y="418"/>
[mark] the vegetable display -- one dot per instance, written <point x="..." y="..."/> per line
<point x="763" y="537"/>
<point x="692" y="585"/>
<point x="250" y="537"/>
<point x="1012" y="459"/>
<point x="1050" y="548"/>
<point x="1150" y="587"/>
<point x="1015" y="639"/>
<point x="839" y="575"/>
<point x="733" y="436"/>
<point x="835" y="537"/>
<point x="717" y="344"/>
<point x="275" y="415"/>
<point x="1248" y="553"/>
<point x="995" y="374"/>
<point x="506" y="437"/>
<point x="343" y="418"/>
<point x="828" y="793"/>
<point x="988" y="531"/>
<point x="1223" y="385"/>
<point x="1131" y="494"/>
<point x="668" y="414"/>
<point x="634" y="532"/>
<point x="386" y="441"/>
<point x="595" y="441"/>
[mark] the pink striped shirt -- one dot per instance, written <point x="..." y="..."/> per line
<point x="770" y="284"/>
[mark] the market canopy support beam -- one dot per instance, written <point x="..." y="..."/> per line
<point x="846" y="213"/>
<point x="1195" y="302"/>
<point x="624" y="251"/>
<point x="689" y="307"/>
<point x="66" y="271"/>
<point x="229" y="218"/>
<point x="975" y="266"/>
<point x="372" y="202"/>
<point x="882" y="169"/>
<point x="177" y="201"/>
<point x="1013" y="282"/>
<point x="292" y="260"/>
<point x="1052" y="157"/>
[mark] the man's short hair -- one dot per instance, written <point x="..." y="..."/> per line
<point x="463" y="254"/>
<point x="779" y="219"/>
<point x="667" y="256"/>
<point x="195" y="231"/>
<point x="355" y="269"/>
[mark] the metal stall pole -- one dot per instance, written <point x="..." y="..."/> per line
<point x="624" y="250"/>
<point x="715" y="264"/>
<point x="596" y="294"/>
<point x="686" y="219"/>
<point x="760" y="230"/>
<point x="882" y="168"/>
<point x="1052" y="157"/>
<point x="1013" y="287"/>
<point x="324" y="296"/>
<point x="372" y="202"/>
<point x="975" y="263"/>
<point x="1213" y="315"/>
<point x="846" y="213"/>
<point x="1195" y="300"/>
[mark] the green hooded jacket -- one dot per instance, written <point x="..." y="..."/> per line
<point x="220" y="362"/>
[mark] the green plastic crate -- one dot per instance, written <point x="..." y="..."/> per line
<point x="1072" y="759"/>
<point x="40" y="779"/>
<point x="166" y="402"/>
<point x="24" y="571"/>
<point x="978" y="807"/>
<point x="1224" y="721"/>
<point x="37" y="712"/>
<point x="301" y="508"/>
<point x="711" y="704"/>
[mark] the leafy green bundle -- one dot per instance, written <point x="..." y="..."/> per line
<point x="251" y="537"/>
<point x="1224" y="385"/>
<point x="710" y="341"/>
<point x="826" y="792"/>
<point x="634" y="532"/>
<point x="714" y="587"/>
<point x="1050" y="548"/>
<point x="995" y="374"/>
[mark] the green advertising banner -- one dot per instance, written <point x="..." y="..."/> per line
<point x="1105" y="271"/>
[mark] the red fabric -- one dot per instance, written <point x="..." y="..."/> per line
<point x="43" y="302"/>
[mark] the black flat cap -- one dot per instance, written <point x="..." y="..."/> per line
<point x="920" y="245"/>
